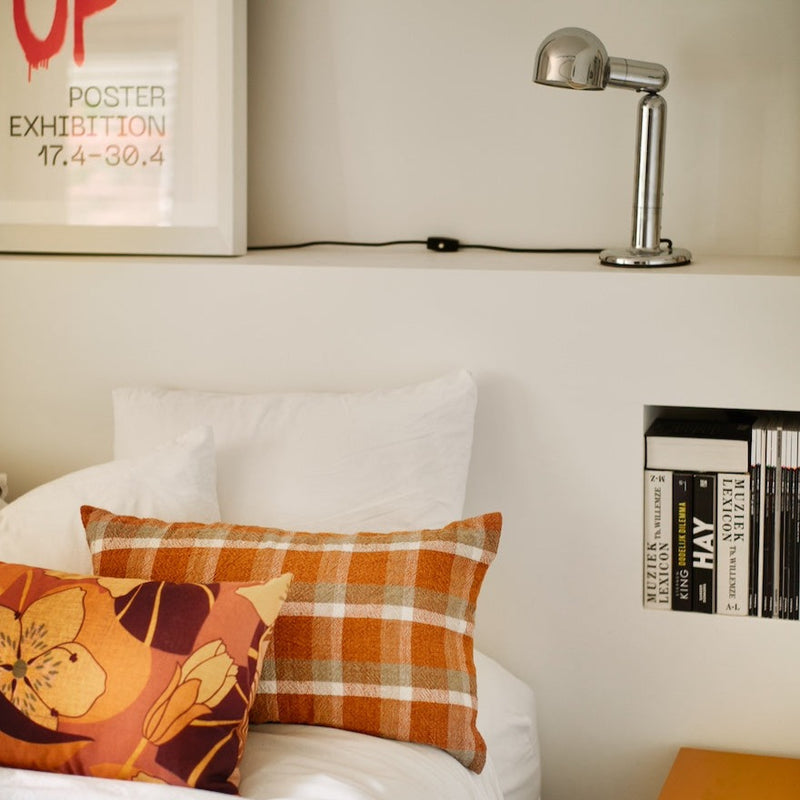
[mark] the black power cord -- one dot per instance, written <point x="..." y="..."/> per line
<point x="319" y="242"/>
<point x="439" y="244"/>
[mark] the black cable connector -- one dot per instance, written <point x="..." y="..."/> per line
<point x="443" y="244"/>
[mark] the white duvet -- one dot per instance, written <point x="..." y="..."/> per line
<point x="294" y="762"/>
<point x="304" y="762"/>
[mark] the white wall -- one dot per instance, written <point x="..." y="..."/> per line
<point x="380" y="119"/>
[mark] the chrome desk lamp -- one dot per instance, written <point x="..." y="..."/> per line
<point x="574" y="58"/>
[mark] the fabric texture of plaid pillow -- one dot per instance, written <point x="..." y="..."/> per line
<point x="376" y="634"/>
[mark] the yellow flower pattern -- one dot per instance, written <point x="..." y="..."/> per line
<point x="123" y="678"/>
<point x="44" y="673"/>
<point x="199" y="685"/>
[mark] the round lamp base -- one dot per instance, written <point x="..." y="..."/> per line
<point x="633" y="257"/>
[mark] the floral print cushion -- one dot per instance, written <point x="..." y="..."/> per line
<point x="139" y="680"/>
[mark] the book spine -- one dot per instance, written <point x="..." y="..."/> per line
<point x="733" y="543"/>
<point x="767" y="587"/>
<point x="658" y="539"/>
<point x="793" y="532"/>
<point x="756" y="510"/>
<point x="682" y="489"/>
<point x="704" y="537"/>
<point x="784" y="567"/>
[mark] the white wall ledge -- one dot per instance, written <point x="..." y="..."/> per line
<point x="418" y="257"/>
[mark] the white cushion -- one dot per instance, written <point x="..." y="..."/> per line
<point x="345" y="462"/>
<point x="507" y="720"/>
<point x="176" y="481"/>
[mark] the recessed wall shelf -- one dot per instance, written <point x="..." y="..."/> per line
<point x="722" y="511"/>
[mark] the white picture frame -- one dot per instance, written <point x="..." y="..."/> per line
<point x="123" y="131"/>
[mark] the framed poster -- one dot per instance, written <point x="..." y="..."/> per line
<point x="123" y="126"/>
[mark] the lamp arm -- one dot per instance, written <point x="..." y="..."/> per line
<point x="641" y="76"/>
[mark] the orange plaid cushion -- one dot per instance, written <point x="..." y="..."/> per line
<point x="375" y="635"/>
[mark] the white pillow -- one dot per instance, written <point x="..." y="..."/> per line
<point x="176" y="481"/>
<point x="507" y="720"/>
<point x="345" y="462"/>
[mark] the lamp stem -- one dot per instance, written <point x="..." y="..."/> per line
<point x="646" y="249"/>
<point x="649" y="175"/>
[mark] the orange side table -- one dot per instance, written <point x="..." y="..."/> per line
<point x="715" y="775"/>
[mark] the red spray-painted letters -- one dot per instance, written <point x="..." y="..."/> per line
<point x="38" y="52"/>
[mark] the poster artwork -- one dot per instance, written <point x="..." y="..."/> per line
<point x="117" y="126"/>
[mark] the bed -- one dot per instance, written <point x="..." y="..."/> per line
<point x="328" y="668"/>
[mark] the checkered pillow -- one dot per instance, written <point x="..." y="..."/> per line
<point x="375" y="635"/>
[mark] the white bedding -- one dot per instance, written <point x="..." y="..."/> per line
<point x="328" y="764"/>
<point x="297" y="762"/>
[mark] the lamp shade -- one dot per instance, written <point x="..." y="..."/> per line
<point x="572" y="58"/>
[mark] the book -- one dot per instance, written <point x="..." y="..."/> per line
<point x="794" y="532"/>
<point x="720" y="445"/>
<point x="703" y="542"/>
<point x="756" y="516"/>
<point x="682" y="491"/>
<point x="790" y="462"/>
<point x="770" y="519"/>
<point x="783" y="560"/>
<point x="658" y="539"/>
<point x="733" y="543"/>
